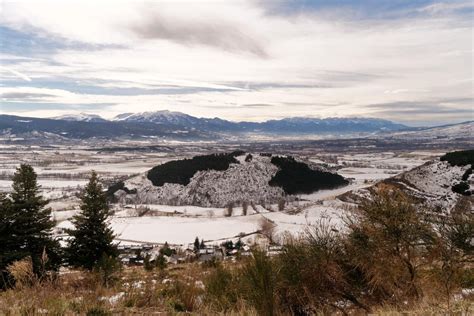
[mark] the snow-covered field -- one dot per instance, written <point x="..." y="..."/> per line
<point x="63" y="171"/>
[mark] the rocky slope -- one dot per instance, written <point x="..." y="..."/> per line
<point x="438" y="184"/>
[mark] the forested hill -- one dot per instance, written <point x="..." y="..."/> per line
<point x="221" y="179"/>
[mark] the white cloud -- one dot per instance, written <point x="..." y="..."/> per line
<point x="234" y="53"/>
<point x="15" y="73"/>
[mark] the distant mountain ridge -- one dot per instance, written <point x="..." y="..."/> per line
<point x="180" y="126"/>
<point x="81" y="117"/>
<point x="286" y="125"/>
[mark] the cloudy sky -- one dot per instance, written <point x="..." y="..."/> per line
<point x="410" y="61"/>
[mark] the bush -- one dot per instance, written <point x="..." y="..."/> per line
<point x="229" y="210"/>
<point x="316" y="275"/>
<point x="259" y="279"/>
<point x="107" y="270"/>
<point x="390" y="243"/>
<point x="22" y="272"/>
<point x="222" y="290"/>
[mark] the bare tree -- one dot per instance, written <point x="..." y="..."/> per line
<point x="267" y="228"/>
<point x="229" y="209"/>
<point x="245" y="206"/>
<point x="281" y="205"/>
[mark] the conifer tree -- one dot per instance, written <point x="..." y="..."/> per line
<point x="26" y="224"/>
<point x="196" y="244"/>
<point x="92" y="238"/>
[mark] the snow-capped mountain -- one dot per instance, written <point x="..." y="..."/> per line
<point x="226" y="179"/>
<point x="81" y="117"/>
<point x="159" y="117"/>
<point x="292" y="125"/>
<point x="460" y="130"/>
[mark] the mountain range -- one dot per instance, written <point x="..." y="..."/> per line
<point x="177" y="125"/>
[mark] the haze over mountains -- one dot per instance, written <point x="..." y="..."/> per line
<point x="177" y="125"/>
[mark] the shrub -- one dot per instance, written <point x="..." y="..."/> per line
<point x="222" y="289"/>
<point x="229" y="210"/>
<point x="245" y="207"/>
<point x="390" y="243"/>
<point x="22" y="272"/>
<point x="107" y="270"/>
<point x="316" y="275"/>
<point x="267" y="228"/>
<point x="259" y="279"/>
<point x="281" y="205"/>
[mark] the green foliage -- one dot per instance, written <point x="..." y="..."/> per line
<point x="222" y="288"/>
<point x="119" y="186"/>
<point x="25" y="226"/>
<point x="259" y="279"/>
<point x="461" y="188"/>
<point x="161" y="262"/>
<point x="459" y="158"/>
<point x="166" y="250"/>
<point x="297" y="177"/>
<point x="92" y="238"/>
<point x="107" y="269"/>
<point x="147" y="264"/>
<point x="97" y="311"/>
<point x="196" y="244"/>
<point x="228" y="245"/>
<point x="466" y="174"/>
<point x="181" y="171"/>
<point x="239" y="244"/>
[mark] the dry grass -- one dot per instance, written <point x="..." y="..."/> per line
<point x="177" y="290"/>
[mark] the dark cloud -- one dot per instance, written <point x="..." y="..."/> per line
<point x="210" y="33"/>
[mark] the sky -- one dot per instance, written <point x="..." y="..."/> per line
<point x="409" y="61"/>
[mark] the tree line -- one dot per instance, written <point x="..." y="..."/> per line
<point x="26" y="230"/>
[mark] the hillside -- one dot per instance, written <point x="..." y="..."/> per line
<point x="222" y="179"/>
<point x="439" y="183"/>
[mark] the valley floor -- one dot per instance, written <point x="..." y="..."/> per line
<point x="63" y="170"/>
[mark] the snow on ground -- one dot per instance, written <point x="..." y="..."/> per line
<point x="48" y="184"/>
<point x="181" y="224"/>
<point x="180" y="230"/>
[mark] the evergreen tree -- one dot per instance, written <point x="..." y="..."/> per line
<point x="92" y="238"/>
<point x="196" y="244"/>
<point x="25" y="226"/>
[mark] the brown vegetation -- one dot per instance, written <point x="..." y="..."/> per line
<point x="389" y="260"/>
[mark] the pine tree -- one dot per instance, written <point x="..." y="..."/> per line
<point x="26" y="224"/>
<point x="196" y="244"/>
<point x="92" y="238"/>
